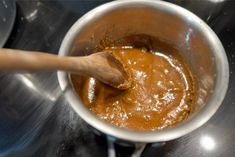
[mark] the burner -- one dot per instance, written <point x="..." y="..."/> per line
<point x="7" y="18"/>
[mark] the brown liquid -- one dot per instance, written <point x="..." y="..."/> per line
<point x="161" y="94"/>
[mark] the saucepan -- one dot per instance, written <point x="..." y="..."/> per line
<point x="198" y="45"/>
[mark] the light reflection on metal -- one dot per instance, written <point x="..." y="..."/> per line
<point x="188" y="35"/>
<point x="207" y="142"/>
<point x="91" y="89"/>
<point x="31" y="83"/>
<point x="216" y="1"/>
<point x="32" y="15"/>
<point x="26" y="81"/>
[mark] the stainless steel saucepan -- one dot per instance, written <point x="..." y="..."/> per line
<point x="199" y="45"/>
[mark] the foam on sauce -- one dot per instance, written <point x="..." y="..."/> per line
<point x="161" y="95"/>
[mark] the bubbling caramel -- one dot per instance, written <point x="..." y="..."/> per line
<point x="161" y="95"/>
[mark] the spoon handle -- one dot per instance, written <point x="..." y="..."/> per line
<point x="102" y="65"/>
<point x="19" y="60"/>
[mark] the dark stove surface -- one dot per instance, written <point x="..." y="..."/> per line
<point x="35" y="119"/>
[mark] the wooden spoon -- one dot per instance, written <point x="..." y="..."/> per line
<point x="102" y="65"/>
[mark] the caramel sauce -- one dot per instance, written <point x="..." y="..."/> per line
<point x="161" y="95"/>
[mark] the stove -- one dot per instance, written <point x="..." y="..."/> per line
<point x="36" y="120"/>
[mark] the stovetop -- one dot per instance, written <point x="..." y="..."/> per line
<point x="36" y="120"/>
